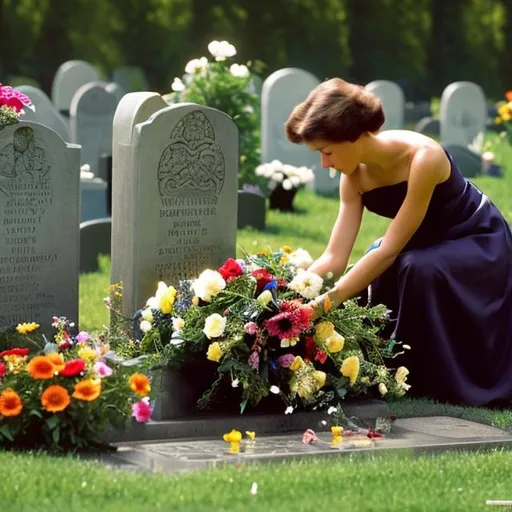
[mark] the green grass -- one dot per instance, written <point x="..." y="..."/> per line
<point x="447" y="482"/>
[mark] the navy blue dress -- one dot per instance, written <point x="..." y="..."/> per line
<point x="450" y="293"/>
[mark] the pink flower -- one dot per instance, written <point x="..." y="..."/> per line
<point x="254" y="360"/>
<point x="251" y="328"/>
<point x="290" y="322"/>
<point x="141" y="411"/>
<point x="309" y="437"/>
<point x="82" y="337"/>
<point x="286" y="360"/>
<point x="102" y="369"/>
<point x="13" y="99"/>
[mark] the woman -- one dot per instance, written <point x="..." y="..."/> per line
<point x="444" y="266"/>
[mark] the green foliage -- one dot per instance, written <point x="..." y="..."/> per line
<point x="7" y="116"/>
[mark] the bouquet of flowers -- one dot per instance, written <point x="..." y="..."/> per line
<point x="286" y="175"/>
<point x="12" y="105"/>
<point x="251" y="318"/>
<point x="63" y="395"/>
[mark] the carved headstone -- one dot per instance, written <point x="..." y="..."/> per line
<point x="45" y="111"/>
<point x="174" y="205"/>
<point x="39" y="244"/>
<point x="282" y="91"/>
<point x="463" y="113"/>
<point x="393" y="102"/>
<point x="70" y="76"/>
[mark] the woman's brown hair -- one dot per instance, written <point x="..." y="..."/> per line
<point x="335" y="111"/>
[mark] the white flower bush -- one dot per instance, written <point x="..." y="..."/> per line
<point x="289" y="176"/>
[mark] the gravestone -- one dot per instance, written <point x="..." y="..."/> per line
<point x="131" y="79"/>
<point x="251" y="210"/>
<point x="45" y="111"/>
<point x="39" y="244"/>
<point x="174" y="204"/>
<point x="469" y="162"/>
<point x="70" y="76"/>
<point x="116" y="90"/>
<point x="93" y="198"/>
<point x="393" y="102"/>
<point x="463" y="113"/>
<point x="95" y="239"/>
<point x="428" y="126"/>
<point x="91" y="117"/>
<point x="282" y="91"/>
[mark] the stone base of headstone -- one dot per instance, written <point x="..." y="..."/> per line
<point x="251" y="210"/>
<point x="93" y="199"/>
<point x="282" y="199"/>
<point x="95" y="239"/>
<point x="469" y="163"/>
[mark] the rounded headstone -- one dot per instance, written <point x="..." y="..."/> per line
<point x="393" y="102"/>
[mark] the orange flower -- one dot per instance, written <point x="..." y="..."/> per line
<point x="139" y="384"/>
<point x="10" y="403"/>
<point x="508" y="95"/>
<point x="55" y="398"/>
<point x="57" y="361"/>
<point x="87" y="390"/>
<point x="41" y="367"/>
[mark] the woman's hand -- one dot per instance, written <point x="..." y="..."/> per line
<point x="324" y="303"/>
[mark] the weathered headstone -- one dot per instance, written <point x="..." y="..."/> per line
<point x="95" y="240"/>
<point x="282" y="91"/>
<point x="91" y="118"/>
<point x="251" y="210"/>
<point x="93" y="198"/>
<point x="463" y="113"/>
<point x="393" y="102"/>
<point x="174" y="205"/>
<point x="39" y="218"/>
<point x="428" y="126"/>
<point x="116" y="90"/>
<point x="70" y="76"/>
<point x="131" y="79"/>
<point x="45" y="111"/>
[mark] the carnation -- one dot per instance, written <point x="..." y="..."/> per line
<point x="300" y="259"/>
<point x="305" y="283"/>
<point x="209" y="284"/>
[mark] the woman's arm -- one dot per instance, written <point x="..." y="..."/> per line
<point x="344" y="232"/>
<point x="425" y="173"/>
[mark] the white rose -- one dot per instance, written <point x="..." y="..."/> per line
<point x="383" y="389"/>
<point x="209" y="284"/>
<point x="221" y="50"/>
<point x="178" y="85"/>
<point x="305" y="283"/>
<point x="214" y="325"/>
<point x="145" y="326"/>
<point x="196" y="65"/>
<point x="147" y="314"/>
<point x="300" y="258"/>
<point x="239" y="70"/>
<point x="178" y="324"/>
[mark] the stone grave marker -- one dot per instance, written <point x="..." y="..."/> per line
<point x="282" y="91"/>
<point x="95" y="239"/>
<point x="463" y="113"/>
<point x="45" y="111"/>
<point x="39" y="218"/>
<point x="70" y="76"/>
<point x="91" y="119"/>
<point x="94" y="201"/>
<point x="174" y="205"/>
<point x="469" y="162"/>
<point x="428" y="126"/>
<point x="131" y="79"/>
<point x="393" y="102"/>
<point x="251" y="210"/>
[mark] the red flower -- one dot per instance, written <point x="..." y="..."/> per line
<point x="3" y="369"/>
<point x="321" y="357"/>
<point x="289" y="323"/>
<point x="281" y="282"/>
<point x="230" y="270"/>
<point x="22" y="352"/>
<point x="65" y="343"/>
<point x="263" y="277"/>
<point x="311" y="348"/>
<point x="73" y="368"/>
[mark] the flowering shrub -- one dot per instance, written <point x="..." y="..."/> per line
<point x="251" y="317"/>
<point x="220" y="83"/>
<point x="63" y="396"/>
<point x="12" y="105"/>
<point x="288" y="176"/>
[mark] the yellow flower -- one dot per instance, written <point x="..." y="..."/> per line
<point x="297" y="363"/>
<point x="284" y="259"/>
<point x="166" y="300"/>
<point x="498" y="120"/>
<point x="27" y="328"/>
<point x="195" y="300"/>
<point x="506" y="117"/>
<point x="320" y="378"/>
<point x="350" y="369"/>
<point x="87" y="353"/>
<point x="337" y="431"/>
<point x="335" y="342"/>
<point x="264" y="298"/>
<point x="323" y="330"/>
<point x="214" y="352"/>
<point x="287" y="249"/>
<point x="383" y="389"/>
<point x="234" y="437"/>
<point x="250" y="435"/>
<point x="289" y="342"/>
<point x="503" y="109"/>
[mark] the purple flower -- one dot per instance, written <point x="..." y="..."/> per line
<point x="251" y="328"/>
<point x="286" y="360"/>
<point x="102" y="370"/>
<point x="82" y="337"/>
<point x="254" y="360"/>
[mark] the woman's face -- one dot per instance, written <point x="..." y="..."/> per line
<point x="342" y="156"/>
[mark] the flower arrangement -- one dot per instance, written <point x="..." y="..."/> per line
<point x="220" y="83"/>
<point x="12" y="105"/>
<point x="250" y="317"/>
<point x="63" y="395"/>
